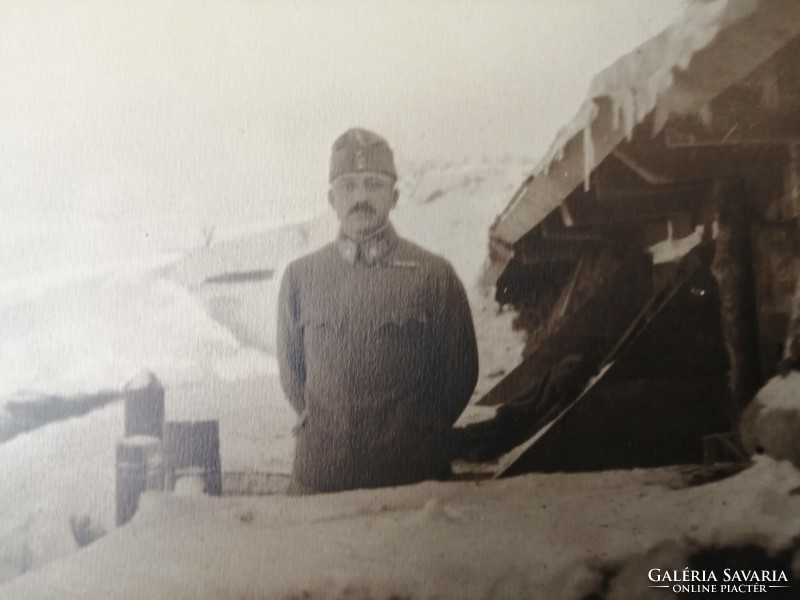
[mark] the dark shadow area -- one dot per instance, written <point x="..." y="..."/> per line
<point x="30" y="414"/>
<point x="233" y="277"/>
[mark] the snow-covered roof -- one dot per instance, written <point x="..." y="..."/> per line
<point x="713" y="45"/>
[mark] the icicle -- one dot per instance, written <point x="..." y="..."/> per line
<point x="643" y="101"/>
<point x="663" y="80"/>
<point x="660" y="119"/>
<point x="588" y="146"/>
<point x="666" y="78"/>
<point x="651" y="92"/>
<point x="615" y="110"/>
<point x="706" y="117"/>
<point x="628" y="112"/>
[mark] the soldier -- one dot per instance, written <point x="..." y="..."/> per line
<point x="376" y="345"/>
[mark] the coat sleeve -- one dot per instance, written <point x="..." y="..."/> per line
<point x="289" y="343"/>
<point x="455" y="349"/>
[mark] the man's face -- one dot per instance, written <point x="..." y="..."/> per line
<point x="362" y="202"/>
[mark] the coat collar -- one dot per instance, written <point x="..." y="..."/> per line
<point x="370" y="251"/>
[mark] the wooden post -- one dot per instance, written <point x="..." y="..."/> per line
<point x="140" y="456"/>
<point x="140" y="468"/>
<point x="144" y="406"/>
<point x="733" y="269"/>
<point x="190" y="445"/>
<point x="791" y="348"/>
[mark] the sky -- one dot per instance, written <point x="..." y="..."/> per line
<point x="223" y="112"/>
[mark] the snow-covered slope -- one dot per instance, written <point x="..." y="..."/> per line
<point x="95" y="335"/>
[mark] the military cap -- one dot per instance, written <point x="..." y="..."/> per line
<point x="359" y="150"/>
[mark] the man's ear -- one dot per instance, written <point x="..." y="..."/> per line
<point x="395" y="197"/>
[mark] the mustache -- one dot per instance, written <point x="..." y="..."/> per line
<point x="361" y="207"/>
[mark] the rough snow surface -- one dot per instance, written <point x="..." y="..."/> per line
<point x="60" y="471"/>
<point x="771" y="422"/>
<point x="781" y="393"/>
<point x="528" y="537"/>
<point x="141" y="381"/>
<point x="67" y="469"/>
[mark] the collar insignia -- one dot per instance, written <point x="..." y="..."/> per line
<point x="375" y="250"/>
<point x="404" y="264"/>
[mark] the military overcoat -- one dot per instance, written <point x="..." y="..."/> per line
<point x="377" y="355"/>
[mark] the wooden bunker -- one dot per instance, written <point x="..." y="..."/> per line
<point x="656" y="246"/>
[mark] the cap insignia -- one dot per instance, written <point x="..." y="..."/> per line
<point x="360" y="160"/>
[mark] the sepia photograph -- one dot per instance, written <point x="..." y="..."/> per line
<point x="426" y="300"/>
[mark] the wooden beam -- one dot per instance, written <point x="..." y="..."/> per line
<point x="791" y="352"/>
<point x="733" y="270"/>
<point x="735" y="128"/>
<point x="637" y="206"/>
<point x="705" y="163"/>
